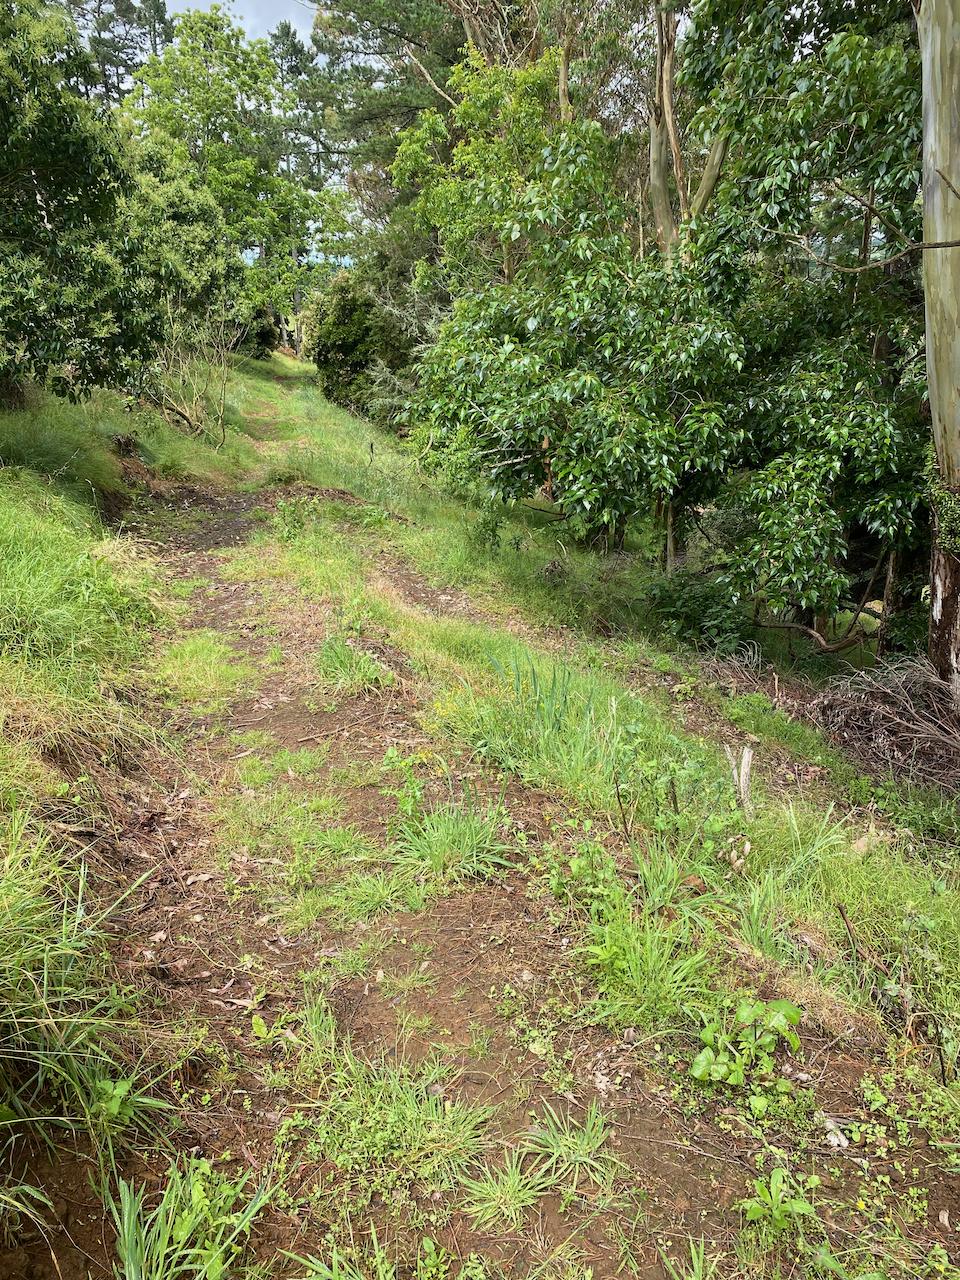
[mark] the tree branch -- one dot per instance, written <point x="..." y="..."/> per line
<point x="913" y="247"/>
<point x="408" y="52"/>
<point x="825" y="646"/>
<point x="711" y="174"/>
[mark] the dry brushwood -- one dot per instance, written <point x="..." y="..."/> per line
<point x="897" y="717"/>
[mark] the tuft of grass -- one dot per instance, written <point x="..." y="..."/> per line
<point x="203" y="672"/>
<point x="387" y="1128"/>
<point x="198" y="1228"/>
<point x="571" y="1151"/>
<point x="698" y="1267"/>
<point x="501" y="1195"/>
<point x="452" y="842"/>
<point x="369" y="894"/>
<point x="344" y="668"/>
<point x="351" y="962"/>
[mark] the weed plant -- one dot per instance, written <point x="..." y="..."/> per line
<point x="196" y="1231"/>
<point x="387" y="1127"/>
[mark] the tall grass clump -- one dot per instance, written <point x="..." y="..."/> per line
<point x="904" y="912"/>
<point x="58" y="1011"/>
<point x="69" y="444"/>
<point x="70" y="615"/>
<point x="588" y="738"/>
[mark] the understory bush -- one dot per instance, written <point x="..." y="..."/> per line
<point x="352" y="339"/>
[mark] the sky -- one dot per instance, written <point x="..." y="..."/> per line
<point x="258" y="17"/>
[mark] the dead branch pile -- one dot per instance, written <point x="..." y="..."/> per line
<point x="896" y="718"/>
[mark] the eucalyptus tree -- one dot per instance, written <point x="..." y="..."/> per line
<point x="938" y="23"/>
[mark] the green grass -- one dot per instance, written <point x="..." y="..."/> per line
<point x="71" y="612"/>
<point x="501" y="1195"/>
<point x="573" y="1151"/>
<point x="203" y="672"/>
<point x="653" y="973"/>
<point x="346" y="668"/>
<point x="387" y="1129"/>
<point x="284" y="824"/>
<point x="452" y="842"/>
<point x="452" y="540"/>
<point x="69" y="444"/>
<point x="198" y="1227"/>
<point x="578" y="732"/>
<point x="60" y="1012"/>
<point x="304" y="762"/>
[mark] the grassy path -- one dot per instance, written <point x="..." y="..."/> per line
<point x="445" y="903"/>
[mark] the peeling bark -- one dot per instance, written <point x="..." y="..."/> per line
<point x="944" y="642"/>
<point x="938" y="24"/>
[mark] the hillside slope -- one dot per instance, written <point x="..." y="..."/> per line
<point x="440" y="932"/>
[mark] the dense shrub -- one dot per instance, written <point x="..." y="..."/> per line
<point x="352" y="339"/>
<point x="697" y="608"/>
<point x="260" y="335"/>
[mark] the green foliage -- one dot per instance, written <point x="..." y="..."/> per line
<point x="730" y="1058"/>
<point x="744" y="1055"/>
<point x="346" y="333"/>
<point x="70" y="315"/>
<point x="698" y="609"/>
<point x="69" y="448"/>
<point x="651" y="972"/>
<point x="433" y="1263"/>
<point x="780" y="1201"/>
<point x="196" y="1231"/>
<point x="213" y="99"/>
<point x="562" y="374"/>
<point x="726" y="377"/>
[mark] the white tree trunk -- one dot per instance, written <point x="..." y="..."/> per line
<point x="938" y="23"/>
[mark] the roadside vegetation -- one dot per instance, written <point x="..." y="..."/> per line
<point x="474" y="495"/>
<point x="720" y="939"/>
